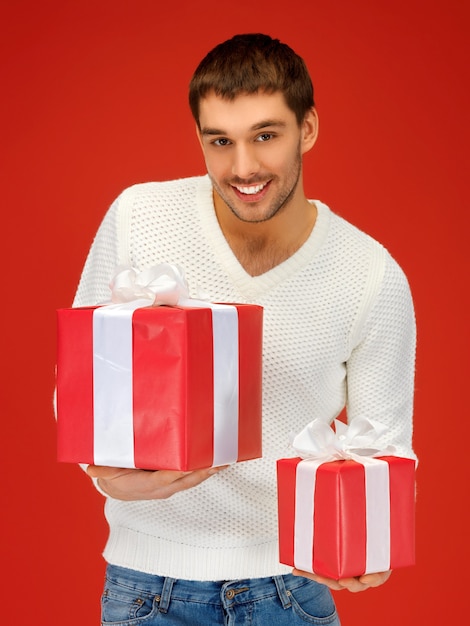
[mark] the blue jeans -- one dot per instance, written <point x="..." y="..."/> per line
<point x="133" y="598"/>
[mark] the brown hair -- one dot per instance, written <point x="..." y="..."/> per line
<point x="251" y="63"/>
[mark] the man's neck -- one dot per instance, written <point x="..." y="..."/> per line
<point x="261" y="246"/>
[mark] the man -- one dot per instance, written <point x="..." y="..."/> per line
<point x="201" y="547"/>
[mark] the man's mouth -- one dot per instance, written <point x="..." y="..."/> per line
<point x="251" y="192"/>
<point x="252" y="189"/>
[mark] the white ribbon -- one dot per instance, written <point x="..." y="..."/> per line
<point x="112" y="363"/>
<point x="113" y="436"/>
<point x="162" y="284"/>
<point x="317" y="443"/>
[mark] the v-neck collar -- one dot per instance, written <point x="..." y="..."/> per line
<point x="254" y="286"/>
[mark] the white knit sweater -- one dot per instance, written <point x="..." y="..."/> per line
<point x="338" y="329"/>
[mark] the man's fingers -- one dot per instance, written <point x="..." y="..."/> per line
<point x="185" y="480"/>
<point x="375" y="580"/>
<point x="360" y="583"/>
<point x="136" y="484"/>
<point x="329" y="582"/>
<point x="100" y="471"/>
<point x="352" y="584"/>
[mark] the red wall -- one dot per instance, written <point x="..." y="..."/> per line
<point x="93" y="98"/>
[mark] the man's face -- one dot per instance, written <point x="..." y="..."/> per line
<point x="253" y="150"/>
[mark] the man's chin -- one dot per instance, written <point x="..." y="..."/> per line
<point x="251" y="213"/>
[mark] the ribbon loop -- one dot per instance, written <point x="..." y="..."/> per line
<point x="161" y="284"/>
<point x="319" y="441"/>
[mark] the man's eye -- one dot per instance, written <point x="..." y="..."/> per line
<point x="222" y="141"/>
<point x="264" y="137"/>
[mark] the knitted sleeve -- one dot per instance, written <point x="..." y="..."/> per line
<point x="102" y="260"/>
<point x="380" y="370"/>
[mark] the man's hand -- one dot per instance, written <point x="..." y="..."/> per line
<point x="136" y="484"/>
<point x="361" y="583"/>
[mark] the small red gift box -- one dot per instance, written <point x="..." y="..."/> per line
<point x="346" y="518"/>
<point x="159" y="387"/>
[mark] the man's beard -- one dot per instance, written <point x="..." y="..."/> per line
<point x="283" y="198"/>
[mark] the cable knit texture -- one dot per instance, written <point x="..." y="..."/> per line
<point x="338" y="330"/>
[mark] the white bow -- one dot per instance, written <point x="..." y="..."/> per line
<point x="319" y="441"/>
<point x="162" y="284"/>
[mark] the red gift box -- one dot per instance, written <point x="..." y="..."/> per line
<point x="188" y="398"/>
<point x="345" y="518"/>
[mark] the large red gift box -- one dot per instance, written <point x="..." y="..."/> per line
<point x="185" y="395"/>
<point x="345" y="518"/>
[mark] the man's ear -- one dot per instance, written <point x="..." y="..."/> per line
<point x="309" y="130"/>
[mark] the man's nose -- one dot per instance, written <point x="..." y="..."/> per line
<point x="245" y="164"/>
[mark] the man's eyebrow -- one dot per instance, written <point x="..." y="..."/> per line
<point x="269" y="123"/>
<point x="211" y="131"/>
<point x="207" y="130"/>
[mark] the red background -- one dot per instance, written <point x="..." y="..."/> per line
<point x="93" y="99"/>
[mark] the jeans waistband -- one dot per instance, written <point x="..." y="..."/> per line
<point x="217" y="592"/>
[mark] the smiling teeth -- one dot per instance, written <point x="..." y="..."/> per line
<point x="252" y="190"/>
